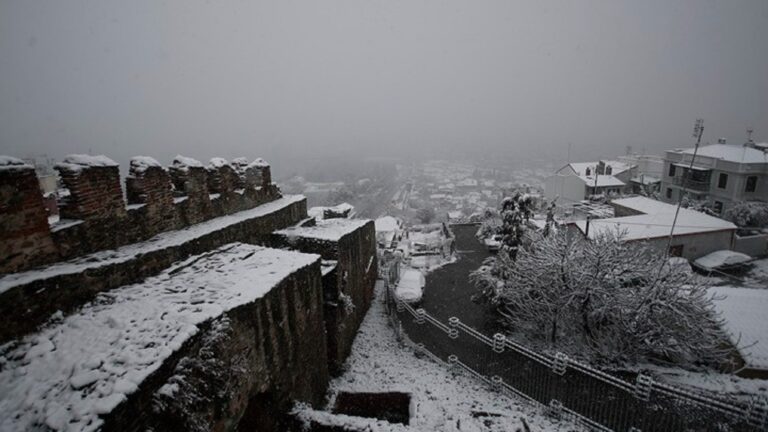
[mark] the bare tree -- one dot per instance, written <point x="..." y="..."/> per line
<point x="604" y="300"/>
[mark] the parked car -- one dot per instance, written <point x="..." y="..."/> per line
<point x="493" y="243"/>
<point x="723" y="261"/>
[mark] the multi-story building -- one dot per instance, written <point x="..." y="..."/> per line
<point x="721" y="174"/>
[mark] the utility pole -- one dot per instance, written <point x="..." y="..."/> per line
<point x="698" y="130"/>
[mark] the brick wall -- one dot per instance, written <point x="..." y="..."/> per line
<point x="26" y="239"/>
<point x="95" y="217"/>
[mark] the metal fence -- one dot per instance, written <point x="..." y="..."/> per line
<point x="567" y="387"/>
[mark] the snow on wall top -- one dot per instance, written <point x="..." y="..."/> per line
<point x="218" y="162"/>
<point x="387" y="223"/>
<point x="158" y="242"/>
<point x="656" y="221"/>
<point x="730" y="153"/>
<point x="12" y="163"/>
<point x="77" y="162"/>
<point x="328" y="229"/>
<point x="744" y="312"/>
<point x="84" y="365"/>
<point x="184" y="163"/>
<point x="258" y="163"/>
<point x="140" y="164"/>
<point x="241" y="161"/>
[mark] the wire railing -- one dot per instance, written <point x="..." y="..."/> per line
<point x="568" y="388"/>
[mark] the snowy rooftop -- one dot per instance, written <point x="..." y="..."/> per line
<point x="76" y="162"/>
<point x="656" y="221"/>
<point x="158" y="242"/>
<point x="602" y="180"/>
<point x="617" y="167"/>
<point x="84" y="365"/>
<point x="744" y="312"/>
<point x="329" y="229"/>
<point x="730" y="153"/>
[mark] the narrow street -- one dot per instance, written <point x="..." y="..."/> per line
<point x="448" y="291"/>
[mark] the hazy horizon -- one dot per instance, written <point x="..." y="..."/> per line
<point x="293" y="81"/>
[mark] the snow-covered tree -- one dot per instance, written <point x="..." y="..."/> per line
<point x="603" y="300"/>
<point x="748" y="214"/>
<point x="490" y="223"/>
<point x="515" y="212"/>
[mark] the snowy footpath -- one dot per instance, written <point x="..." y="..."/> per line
<point x="441" y="400"/>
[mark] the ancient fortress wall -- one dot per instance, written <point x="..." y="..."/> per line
<point x="94" y="216"/>
<point x="240" y="333"/>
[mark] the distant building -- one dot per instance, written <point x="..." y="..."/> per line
<point x="578" y="181"/>
<point x="643" y="219"/>
<point x="721" y="174"/>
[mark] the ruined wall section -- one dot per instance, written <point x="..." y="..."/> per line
<point x="244" y="370"/>
<point x="347" y="289"/>
<point x="95" y="217"/>
<point x="26" y="239"/>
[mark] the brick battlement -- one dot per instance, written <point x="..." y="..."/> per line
<point x="94" y="216"/>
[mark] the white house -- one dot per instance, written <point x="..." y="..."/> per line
<point x="721" y="174"/>
<point x="577" y="181"/>
<point x="643" y="219"/>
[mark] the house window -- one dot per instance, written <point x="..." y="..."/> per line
<point x="676" y="250"/>
<point x="718" y="207"/>
<point x="671" y="170"/>
<point x="669" y="193"/>
<point x="722" y="181"/>
<point x="751" y="184"/>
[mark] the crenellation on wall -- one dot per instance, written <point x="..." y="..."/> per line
<point x="94" y="188"/>
<point x="26" y="236"/>
<point x="149" y="183"/>
<point x="94" y="215"/>
<point x="258" y="174"/>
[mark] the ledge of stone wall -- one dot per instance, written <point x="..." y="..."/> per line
<point x="28" y="299"/>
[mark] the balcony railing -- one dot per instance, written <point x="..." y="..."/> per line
<point x="689" y="183"/>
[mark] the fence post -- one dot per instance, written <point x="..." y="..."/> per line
<point x="453" y="333"/>
<point x="643" y="385"/>
<point x="420" y="315"/>
<point x="560" y="363"/>
<point x="498" y="343"/>
<point x="757" y="413"/>
<point x="399" y="305"/>
<point x="496" y="383"/>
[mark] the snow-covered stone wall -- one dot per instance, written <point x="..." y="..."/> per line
<point x="348" y="289"/>
<point x="28" y="298"/>
<point x="189" y="349"/>
<point x="25" y="238"/>
<point x="94" y="216"/>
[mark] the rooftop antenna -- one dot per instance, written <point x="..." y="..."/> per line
<point x="698" y="130"/>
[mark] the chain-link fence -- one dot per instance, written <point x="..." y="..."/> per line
<point x="569" y="388"/>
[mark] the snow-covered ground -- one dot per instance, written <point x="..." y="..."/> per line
<point x="441" y="400"/>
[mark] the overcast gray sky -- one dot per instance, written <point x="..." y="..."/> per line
<point x="377" y="77"/>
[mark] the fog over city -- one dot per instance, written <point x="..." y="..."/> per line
<point x="293" y="81"/>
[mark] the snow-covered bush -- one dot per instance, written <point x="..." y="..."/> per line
<point x="490" y="223"/>
<point x="748" y="214"/>
<point x="604" y="300"/>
